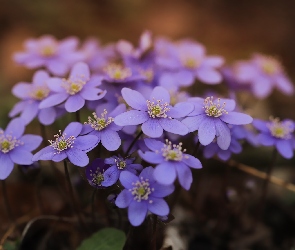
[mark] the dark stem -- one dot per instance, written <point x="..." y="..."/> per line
<point x="196" y="149"/>
<point x="77" y="115"/>
<point x="132" y="143"/>
<point x="93" y="206"/>
<point x="154" y="232"/>
<point x="43" y="134"/>
<point x="72" y="196"/>
<point x="6" y="202"/>
<point x="265" y="185"/>
<point x="268" y="172"/>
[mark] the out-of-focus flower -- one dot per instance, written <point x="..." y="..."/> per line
<point x="142" y="194"/>
<point x="74" y="90"/>
<point x="210" y="117"/>
<point x="155" y="114"/>
<point x="276" y="133"/>
<point x="31" y="94"/>
<point x="57" y="56"/>
<point x="16" y="147"/>
<point x="186" y="61"/>
<point x="171" y="161"/>
<point x="263" y="73"/>
<point x="69" y="145"/>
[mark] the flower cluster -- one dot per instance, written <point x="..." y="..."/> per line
<point x="138" y="109"/>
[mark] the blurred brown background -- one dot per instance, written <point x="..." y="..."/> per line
<point x="231" y="28"/>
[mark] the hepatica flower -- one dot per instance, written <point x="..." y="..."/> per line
<point x="172" y="162"/>
<point x="142" y="194"/>
<point x="96" y="174"/>
<point x="276" y="133"/>
<point x="73" y="90"/>
<point x="263" y="73"/>
<point x="104" y="128"/>
<point x="118" y="165"/>
<point x="16" y="147"/>
<point x="234" y="147"/>
<point x="155" y="114"/>
<point x="69" y="145"/>
<point x="211" y="116"/>
<point x="31" y="94"/>
<point x="47" y="52"/>
<point x="187" y="61"/>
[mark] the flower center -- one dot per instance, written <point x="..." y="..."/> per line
<point x="99" y="123"/>
<point x="190" y="63"/>
<point x="117" y="71"/>
<point x="172" y="152"/>
<point x="158" y="109"/>
<point x="48" y="50"/>
<point x="148" y="74"/>
<point x="73" y="86"/>
<point x="8" y="142"/>
<point x="141" y="190"/>
<point x="40" y="92"/>
<point x="62" y="143"/>
<point x="270" y="66"/>
<point x="120" y="163"/>
<point x="281" y="130"/>
<point x="214" y="109"/>
<point x="97" y="177"/>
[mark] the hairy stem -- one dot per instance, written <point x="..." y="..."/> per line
<point x="132" y="143"/>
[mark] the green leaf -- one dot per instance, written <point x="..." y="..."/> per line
<point x="105" y="239"/>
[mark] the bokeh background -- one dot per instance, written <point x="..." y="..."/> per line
<point x="233" y="29"/>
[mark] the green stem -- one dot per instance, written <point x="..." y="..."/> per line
<point x="132" y="143"/>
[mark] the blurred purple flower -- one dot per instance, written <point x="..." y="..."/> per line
<point x="31" y="95"/>
<point x="16" y="147"/>
<point x="276" y="133"/>
<point x="263" y="73"/>
<point x="171" y="161"/>
<point x="142" y="194"/>
<point x="69" y="145"/>
<point x="155" y="114"/>
<point x="57" y="57"/>
<point x="210" y="117"/>
<point x="74" y="90"/>
<point x="186" y="61"/>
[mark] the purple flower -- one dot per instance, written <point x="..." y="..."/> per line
<point x="31" y="95"/>
<point x="118" y="165"/>
<point x="142" y="194"/>
<point x="16" y="147"/>
<point x="104" y="128"/>
<point x="213" y="149"/>
<point x="186" y="62"/>
<point x="263" y="73"/>
<point x="276" y="133"/>
<point x="155" y="114"/>
<point x="47" y="52"/>
<point x="74" y="90"/>
<point x="210" y="117"/>
<point x="171" y="161"/>
<point x="69" y="145"/>
<point x="96" y="56"/>
<point x="119" y="73"/>
<point x="96" y="174"/>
